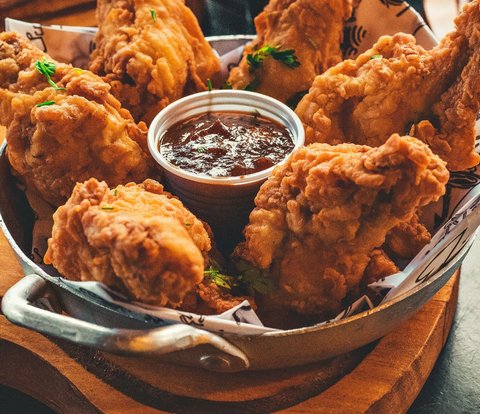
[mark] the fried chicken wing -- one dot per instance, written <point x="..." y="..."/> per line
<point x="137" y="238"/>
<point x="312" y="30"/>
<point x="322" y="216"/>
<point x="60" y="135"/>
<point x="407" y="239"/>
<point x="152" y="52"/>
<point x="397" y="84"/>
<point x="208" y="298"/>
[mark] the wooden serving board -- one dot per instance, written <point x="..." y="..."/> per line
<point x="382" y="378"/>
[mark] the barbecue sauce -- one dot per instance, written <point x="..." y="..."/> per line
<point x="226" y="144"/>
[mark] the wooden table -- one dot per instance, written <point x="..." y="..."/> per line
<point x="382" y="378"/>
<point x="385" y="379"/>
<point x="69" y="378"/>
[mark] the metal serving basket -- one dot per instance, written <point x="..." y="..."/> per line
<point x="96" y="323"/>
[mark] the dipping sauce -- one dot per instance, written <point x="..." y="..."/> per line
<point x="226" y="144"/>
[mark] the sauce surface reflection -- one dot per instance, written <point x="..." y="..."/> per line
<point x="226" y="144"/>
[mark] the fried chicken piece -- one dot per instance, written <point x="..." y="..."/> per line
<point x="152" y="52"/>
<point x="57" y="137"/>
<point x="313" y="29"/>
<point x="137" y="238"/>
<point x="322" y="215"/>
<point x="379" y="266"/>
<point x="208" y="298"/>
<point x="397" y="84"/>
<point x="407" y="239"/>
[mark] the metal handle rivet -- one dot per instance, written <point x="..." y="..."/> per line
<point x="215" y="362"/>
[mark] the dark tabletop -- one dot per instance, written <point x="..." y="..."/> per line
<point x="454" y="384"/>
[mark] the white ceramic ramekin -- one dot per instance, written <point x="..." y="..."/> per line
<point x="223" y="202"/>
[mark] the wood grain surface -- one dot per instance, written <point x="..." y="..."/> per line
<point x="383" y="378"/>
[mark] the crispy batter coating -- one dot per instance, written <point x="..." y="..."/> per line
<point x="407" y="239"/>
<point x="380" y="265"/>
<point x="152" y="52"/>
<point x="313" y="29"/>
<point x="208" y="298"/>
<point x="397" y="84"/>
<point x="82" y="132"/>
<point x="137" y="238"/>
<point x="320" y="218"/>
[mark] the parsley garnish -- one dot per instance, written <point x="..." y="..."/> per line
<point x="107" y="207"/>
<point x="201" y="149"/>
<point x="153" y="13"/>
<point x="376" y="57"/>
<point x="255" y="61"/>
<point x="115" y="192"/>
<point x="256" y="279"/>
<point x="249" y="279"/>
<point x="228" y="85"/>
<point x="45" y="103"/>
<point x="220" y="279"/>
<point x="47" y="69"/>
<point x="287" y="57"/>
<point x="209" y="85"/>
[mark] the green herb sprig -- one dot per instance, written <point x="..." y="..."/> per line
<point x="287" y="57"/>
<point x="47" y="69"/>
<point x="209" y="85"/>
<point x="376" y="57"/>
<point x="249" y="278"/>
<point x="220" y="279"/>
<point x="153" y="13"/>
<point x="45" y="103"/>
<point x="254" y="278"/>
<point x="255" y="61"/>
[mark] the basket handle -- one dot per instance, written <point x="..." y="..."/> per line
<point x="18" y="308"/>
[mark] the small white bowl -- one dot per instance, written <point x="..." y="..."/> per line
<point x="223" y="202"/>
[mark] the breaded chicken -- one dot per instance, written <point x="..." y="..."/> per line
<point x="310" y="30"/>
<point x="152" y="52"/>
<point x="136" y="238"/>
<point x="399" y="87"/>
<point x="322" y="215"/>
<point x="66" y="130"/>
<point x="407" y="239"/>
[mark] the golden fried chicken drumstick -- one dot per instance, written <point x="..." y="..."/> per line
<point x="152" y="52"/>
<point x="137" y="238"/>
<point x="322" y="216"/>
<point x="311" y="29"/>
<point x="399" y="87"/>
<point x="58" y="135"/>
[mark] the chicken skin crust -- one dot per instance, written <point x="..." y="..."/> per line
<point x="57" y="137"/>
<point x="152" y="52"/>
<point x="399" y="87"/>
<point x="312" y="29"/>
<point x="322" y="216"/>
<point x="136" y="238"/>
